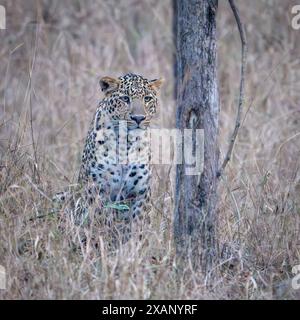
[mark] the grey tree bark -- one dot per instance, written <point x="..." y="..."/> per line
<point x="198" y="108"/>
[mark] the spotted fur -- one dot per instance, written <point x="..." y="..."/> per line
<point x="114" y="172"/>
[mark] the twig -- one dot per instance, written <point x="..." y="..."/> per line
<point x="242" y="87"/>
<point x="34" y="145"/>
<point x="37" y="188"/>
<point x="43" y="215"/>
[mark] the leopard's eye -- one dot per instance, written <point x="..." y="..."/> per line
<point x="125" y="99"/>
<point x="147" y="98"/>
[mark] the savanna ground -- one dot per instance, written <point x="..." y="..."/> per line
<point x="51" y="57"/>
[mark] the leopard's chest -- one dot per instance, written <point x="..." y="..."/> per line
<point x="121" y="166"/>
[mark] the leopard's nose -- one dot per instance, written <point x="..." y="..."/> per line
<point x="138" y="118"/>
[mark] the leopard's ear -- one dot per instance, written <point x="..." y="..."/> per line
<point x="156" y="84"/>
<point x="109" y="84"/>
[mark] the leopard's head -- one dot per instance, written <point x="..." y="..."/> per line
<point x="131" y="98"/>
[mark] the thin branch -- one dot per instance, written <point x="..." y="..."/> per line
<point x="34" y="145"/>
<point x="242" y="87"/>
<point x="44" y="215"/>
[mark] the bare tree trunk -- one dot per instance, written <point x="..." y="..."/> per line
<point x="198" y="108"/>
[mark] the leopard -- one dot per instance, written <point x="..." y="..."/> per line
<point x="115" y="170"/>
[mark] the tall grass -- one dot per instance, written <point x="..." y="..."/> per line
<point x="52" y="55"/>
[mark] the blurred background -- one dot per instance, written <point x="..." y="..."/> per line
<point x="52" y="55"/>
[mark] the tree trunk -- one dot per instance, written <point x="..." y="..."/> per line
<point x="198" y="108"/>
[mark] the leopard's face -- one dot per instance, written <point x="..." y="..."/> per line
<point x="131" y="98"/>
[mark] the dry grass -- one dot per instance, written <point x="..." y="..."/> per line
<point x="49" y="88"/>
